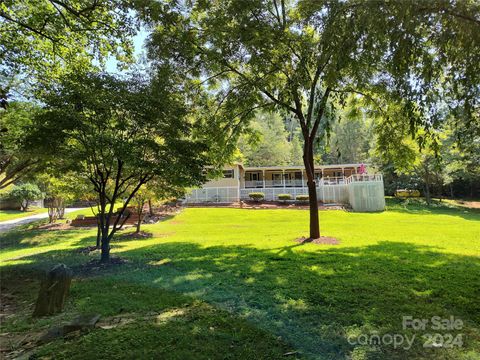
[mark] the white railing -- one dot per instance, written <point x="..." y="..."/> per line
<point x="364" y="177"/>
<point x="339" y="180"/>
<point x="254" y="184"/>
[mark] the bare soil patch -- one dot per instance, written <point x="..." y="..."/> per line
<point x="470" y="204"/>
<point x="322" y="240"/>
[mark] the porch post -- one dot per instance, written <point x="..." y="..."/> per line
<point x="283" y="179"/>
<point x="263" y="177"/>
<point x="301" y="172"/>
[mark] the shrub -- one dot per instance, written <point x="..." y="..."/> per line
<point x="256" y="196"/>
<point x="302" y="198"/>
<point x="284" y="197"/>
<point x="25" y="194"/>
<point x="407" y="193"/>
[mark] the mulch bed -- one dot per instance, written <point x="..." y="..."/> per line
<point x="134" y="235"/>
<point x="322" y="240"/>
<point x="267" y="205"/>
<point x="55" y="226"/>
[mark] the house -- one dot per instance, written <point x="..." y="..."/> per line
<point x="349" y="184"/>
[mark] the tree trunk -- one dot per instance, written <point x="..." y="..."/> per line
<point x="53" y="291"/>
<point x="139" y="222"/>
<point x="314" y="219"/>
<point x="105" y="255"/>
<point x="150" y="208"/>
<point x="427" y="192"/>
<point x="312" y="189"/>
<point x="99" y="236"/>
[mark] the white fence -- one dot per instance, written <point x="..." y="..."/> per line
<point x="361" y="192"/>
<point x="215" y="195"/>
<point x="271" y="194"/>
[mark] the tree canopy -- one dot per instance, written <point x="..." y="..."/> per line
<point x="43" y="38"/>
<point x="120" y="133"/>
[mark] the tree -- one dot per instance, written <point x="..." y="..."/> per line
<point x="304" y="57"/>
<point x="25" y="194"/>
<point x="41" y="37"/>
<point x="16" y="159"/>
<point x="121" y="133"/>
<point x="60" y="190"/>
<point x="267" y="143"/>
<point x="139" y="201"/>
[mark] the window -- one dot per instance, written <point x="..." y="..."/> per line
<point x="228" y="174"/>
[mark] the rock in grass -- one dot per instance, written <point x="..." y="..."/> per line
<point x="53" y="291"/>
<point x="83" y="322"/>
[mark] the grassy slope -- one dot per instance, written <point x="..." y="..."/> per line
<point x="15" y="214"/>
<point x="406" y="261"/>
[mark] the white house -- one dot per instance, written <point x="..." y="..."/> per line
<point x="336" y="184"/>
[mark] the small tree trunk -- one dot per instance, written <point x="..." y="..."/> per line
<point x="150" y="208"/>
<point x="51" y="215"/>
<point x="140" y="213"/>
<point x="53" y="291"/>
<point x="427" y="192"/>
<point x="105" y="255"/>
<point x="99" y="236"/>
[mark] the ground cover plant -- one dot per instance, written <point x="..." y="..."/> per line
<point x="212" y="279"/>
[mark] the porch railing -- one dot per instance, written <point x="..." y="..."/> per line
<point x="339" y="180"/>
<point x="364" y="177"/>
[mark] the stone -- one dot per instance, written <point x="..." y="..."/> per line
<point x="82" y="322"/>
<point x="53" y="292"/>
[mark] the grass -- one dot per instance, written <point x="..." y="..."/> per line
<point x="15" y="214"/>
<point x="233" y="281"/>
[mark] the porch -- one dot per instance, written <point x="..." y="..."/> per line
<point x="287" y="177"/>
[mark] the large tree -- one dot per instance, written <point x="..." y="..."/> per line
<point x="305" y="56"/>
<point x="41" y="38"/>
<point x="121" y="133"/>
<point x="16" y="158"/>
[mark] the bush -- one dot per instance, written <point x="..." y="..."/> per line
<point x="302" y="198"/>
<point x="25" y="194"/>
<point x="407" y="193"/>
<point x="284" y="197"/>
<point x="256" y="196"/>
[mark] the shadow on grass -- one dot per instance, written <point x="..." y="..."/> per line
<point x="317" y="300"/>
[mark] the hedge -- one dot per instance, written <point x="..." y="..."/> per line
<point x="302" y="198"/>
<point x="257" y="196"/>
<point x="284" y="197"/>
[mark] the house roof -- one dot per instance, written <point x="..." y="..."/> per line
<point x="301" y="167"/>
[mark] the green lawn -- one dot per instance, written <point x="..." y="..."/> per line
<point x="232" y="283"/>
<point x="15" y="214"/>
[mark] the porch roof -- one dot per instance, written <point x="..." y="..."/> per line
<point x="300" y="167"/>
